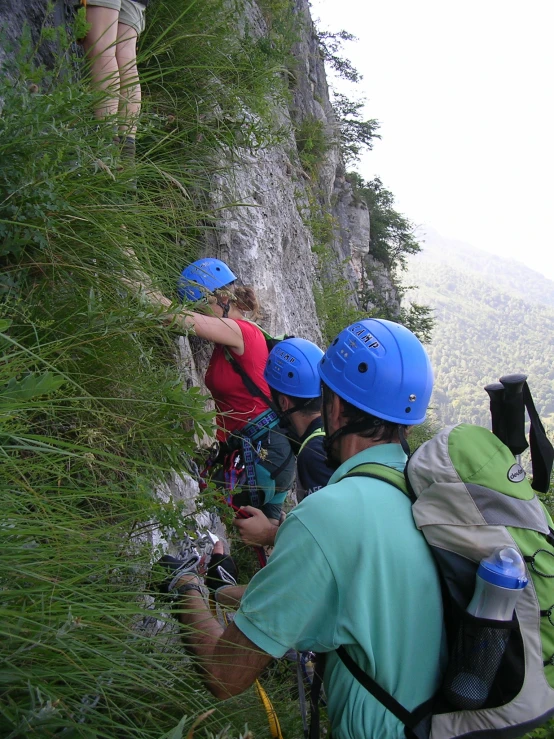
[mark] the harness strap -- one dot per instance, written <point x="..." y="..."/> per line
<point x="275" y="474"/>
<point x="259" y="426"/>
<point x="255" y="431"/>
<point x="378" y="471"/>
<point x="250" y="460"/>
<point x="542" y="452"/>
<point x="313" y="435"/>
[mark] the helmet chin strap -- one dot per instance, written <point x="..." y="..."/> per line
<point x="327" y="439"/>
<point x="349" y="428"/>
<point x="404" y="442"/>
<point x="355" y="428"/>
<point x="298" y="407"/>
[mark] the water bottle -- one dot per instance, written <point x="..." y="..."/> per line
<point x="480" y="645"/>
<point x="500" y="579"/>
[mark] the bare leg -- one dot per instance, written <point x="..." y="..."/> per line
<point x="231" y="595"/>
<point x="99" y="44"/>
<point x="130" y="92"/>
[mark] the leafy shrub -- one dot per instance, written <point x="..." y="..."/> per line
<point x="312" y="143"/>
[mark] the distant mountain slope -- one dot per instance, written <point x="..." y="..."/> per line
<point x="487" y="325"/>
<point x="507" y="274"/>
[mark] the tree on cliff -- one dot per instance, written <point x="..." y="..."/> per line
<point x="392" y="241"/>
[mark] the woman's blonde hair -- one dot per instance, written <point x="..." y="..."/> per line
<point x="243" y="297"/>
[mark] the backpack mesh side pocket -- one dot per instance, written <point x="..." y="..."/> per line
<point x="477" y="652"/>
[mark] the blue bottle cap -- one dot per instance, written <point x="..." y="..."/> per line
<point x="504" y="567"/>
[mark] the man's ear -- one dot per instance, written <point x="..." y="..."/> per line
<point x="284" y="402"/>
<point x="335" y="414"/>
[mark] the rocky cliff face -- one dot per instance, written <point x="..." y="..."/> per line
<point x="267" y="239"/>
<point x="16" y="16"/>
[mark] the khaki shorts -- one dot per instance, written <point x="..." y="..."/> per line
<point x="130" y="13"/>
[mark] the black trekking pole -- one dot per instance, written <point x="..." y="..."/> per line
<point x="510" y="398"/>
<point x="507" y="408"/>
<point x="496" y="395"/>
<point x="514" y="414"/>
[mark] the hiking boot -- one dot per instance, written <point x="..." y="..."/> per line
<point x="175" y="569"/>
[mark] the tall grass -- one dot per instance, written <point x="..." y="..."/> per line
<point x="94" y="414"/>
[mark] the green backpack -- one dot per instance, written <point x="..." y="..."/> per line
<point x="469" y="497"/>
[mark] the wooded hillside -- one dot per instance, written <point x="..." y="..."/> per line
<point x="493" y="317"/>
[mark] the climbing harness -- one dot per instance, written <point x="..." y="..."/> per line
<point x="244" y="452"/>
<point x="255" y="432"/>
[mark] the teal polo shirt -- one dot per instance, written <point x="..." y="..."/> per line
<point x="349" y="567"/>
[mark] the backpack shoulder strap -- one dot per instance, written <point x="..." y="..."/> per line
<point x="382" y="472"/>
<point x="410" y="719"/>
<point x="249" y="383"/>
<point x="267" y="336"/>
<point x="313" y="435"/>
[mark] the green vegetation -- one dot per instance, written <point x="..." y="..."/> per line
<point x="94" y="415"/>
<point x="335" y="306"/>
<point x="480" y="334"/>
<point x="392" y="242"/>
<point x="355" y="133"/>
<point x="544" y="732"/>
<point x="283" y="31"/>
<point x="392" y="234"/>
<point x="330" y="45"/>
<point x="312" y="143"/>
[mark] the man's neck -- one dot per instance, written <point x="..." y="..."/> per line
<point x="300" y="422"/>
<point x="352" y="444"/>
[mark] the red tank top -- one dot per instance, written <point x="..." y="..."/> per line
<point x="235" y="405"/>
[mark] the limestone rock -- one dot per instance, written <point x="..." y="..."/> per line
<point x="267" y="238"/>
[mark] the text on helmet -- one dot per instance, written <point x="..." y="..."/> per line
<point x="364" y="335"/>
<point x="285" y="356"/>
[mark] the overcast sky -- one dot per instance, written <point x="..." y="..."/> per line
<point x="463" y="91"/>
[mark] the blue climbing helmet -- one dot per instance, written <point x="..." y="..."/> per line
<point x="203" y="277"/>
<point x="381" y="368"/>
<point x="291" y="368"/>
